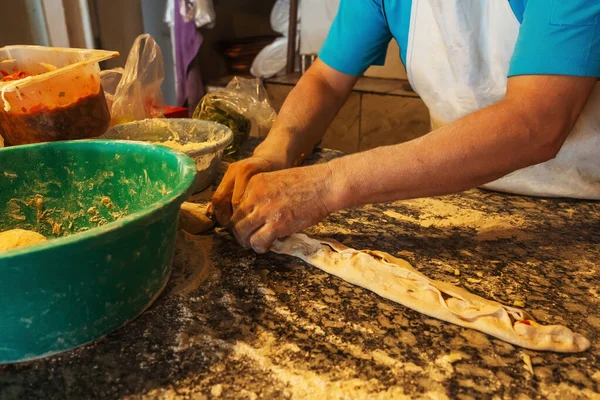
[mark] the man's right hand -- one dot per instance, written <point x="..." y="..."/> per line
<point x="229" y="193"/>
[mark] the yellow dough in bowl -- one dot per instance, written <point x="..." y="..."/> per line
<point x="17" y="238"/>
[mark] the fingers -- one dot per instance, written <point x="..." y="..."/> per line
<point x="210" y="212"/>
<point x="259" y="214"/>
<point x="221" y="201"/>
<point x="229" y="193"/>
<point x="268" y="206"/>
<point x="244" y="224"/>
<point x="240" y="187"/>
<point x="262" y="239"/>
<point x="256" y="229"/>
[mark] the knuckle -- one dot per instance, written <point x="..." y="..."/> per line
<point x="260" y="248"/>
<point x="220" y="195"/>
<point x="260" y="238"/>
<point x="256" y="244"/>
<point x="256" y="179"/>
<point x="232" y="166"/>
<point x="247" y="167"/>
<point x="217" y="199"/>
<point x="239" y="214"/>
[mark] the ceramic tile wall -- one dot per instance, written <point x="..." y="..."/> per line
<point x="368" y="119"/>
<point x="387" y="119"/>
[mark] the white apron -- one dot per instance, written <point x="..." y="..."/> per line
<point x="457" y="61"/>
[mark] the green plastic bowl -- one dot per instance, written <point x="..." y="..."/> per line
<point x="110" y="210"/>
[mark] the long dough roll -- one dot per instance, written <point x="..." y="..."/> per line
<point x="396" y="280"/>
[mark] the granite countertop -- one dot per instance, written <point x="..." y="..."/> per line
<point x="233" y="324"/>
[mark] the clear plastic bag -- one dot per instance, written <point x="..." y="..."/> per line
<point x="202" y="12"/>
<point x="243" y="106"/>
<point x="280" y="16"/>
<point x="272" y="59"/>
<point x="133" y="93"/>
<point x="110" y="80"/>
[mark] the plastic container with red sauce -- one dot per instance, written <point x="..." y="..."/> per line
<point x="49" y="94"/>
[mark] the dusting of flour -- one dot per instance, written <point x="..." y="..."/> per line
<point x="441" y="214"/>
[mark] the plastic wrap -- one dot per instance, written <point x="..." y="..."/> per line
<point x="202" y="12"/>
<point x="242" y="105"/>
<point x="110" y="81"/>
<point x="280" y="16"/>
<point x="272" y="59"/>
<point x="133" y="93"/>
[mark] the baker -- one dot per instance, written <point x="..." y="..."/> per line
<point x="512" y="91"/>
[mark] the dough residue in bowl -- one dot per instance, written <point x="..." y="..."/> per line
<point x="172" y="144"/>
<point x="18" y="238"/>
<point x="185" y="147"/>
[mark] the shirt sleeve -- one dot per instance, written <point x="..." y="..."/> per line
<point x="558" y="37"/>
<point x="358" y="38"/>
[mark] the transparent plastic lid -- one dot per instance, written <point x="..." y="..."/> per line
<point x="41" y="63"/>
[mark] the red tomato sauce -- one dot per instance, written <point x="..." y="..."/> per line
<point x="15" y="76"/>
<point x="87" y="117"/>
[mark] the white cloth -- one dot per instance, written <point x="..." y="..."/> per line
<point x="317" y="17"/>
<point x="457" y="60"/>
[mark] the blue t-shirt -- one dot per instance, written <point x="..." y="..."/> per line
<point x="560" y="37"/>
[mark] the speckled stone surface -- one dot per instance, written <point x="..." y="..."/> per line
<point x="269" y="326"/>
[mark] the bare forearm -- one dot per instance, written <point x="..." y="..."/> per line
<point x="473" y="150"/>
<point x="307" y="112"/>
<point x="527" y="127"/>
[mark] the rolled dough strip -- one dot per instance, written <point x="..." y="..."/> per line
<point x="17" y="238"/>
<point x="193" y="218"/>
<point x="396" y="280"/>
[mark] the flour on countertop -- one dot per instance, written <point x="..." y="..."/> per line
<point x="441" y="214"/>
<point x="192" y="263"/>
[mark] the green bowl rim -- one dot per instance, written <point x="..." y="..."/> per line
<point x="180" y="191"/>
